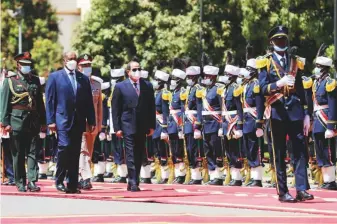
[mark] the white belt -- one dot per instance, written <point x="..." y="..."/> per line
<point x="233" y="112"/>
<point x="211" y="113"/>
<point x="159" y="116"/>
<point x="191" y="112"/>
<point x="175" y="111"/>
<point x="249" y="110"/>
<point x="320" y="107"/>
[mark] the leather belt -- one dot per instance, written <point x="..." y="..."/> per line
<point x="21" y="107"/>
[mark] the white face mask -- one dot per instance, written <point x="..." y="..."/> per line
<point x="277" y="48"/>
<point x="224" y="79"/>
<point x="207" y="82"/>
<point x="246" y="74"/>
<point x="239" y="80"/>
<point x="113" y="82"/>
<point x="173" y="84"/>
<point x="135" y="75"/>
<point x="190" y="82"/>
<point x="317" y="72"/>
<point x="155" y="84"/>
<point x="87" y="71"/>
<point x="71" y="65"/>
<point x="25" y="69"/>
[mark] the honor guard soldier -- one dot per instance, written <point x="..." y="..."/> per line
<point x="232" y="123"/>
<point x="251" y="98"/>
<point x="23" y="115"/>
<point x="174" y="122"/>
<point x="88" y="138"/>
<point x="148" y="160"/>
<point x="210" y="104"/>
<point x="324" y="98"/>
<point x="160" y="135"/>
<point x="194" y="147"/>
<point x="283" y="87"/>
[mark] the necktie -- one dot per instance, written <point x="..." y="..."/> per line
<point x="72" y="80"/>
<point x="283" y="63"/>
<point x="137" y="90"/>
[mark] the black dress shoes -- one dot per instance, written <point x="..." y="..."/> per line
<point x="61" y="187"/>
<point x="194" y="182"/>
<point x="255" y="183"/>
<point x="146" y="180"/>
<point x="287" y="198"/>
<point x="98" y="178"/>
<point x="330" y="186"/>
<point x="163" y="181"/>
<point x="179" y="180"/>
<point x="133" y="188"/>
<point x="119" y="180"/>
<point x="21" y="188"/>
<point x="85" y="184"/>
<point x="216" y="181"/>
<point x="235" y="183"/>
<point x="9" y="183"/>
<point x="43" y="176"/>
<point x="304" y="196"/>
<point x="108" y="175"/>
<point x="73" y="191"/>
<point x="32" y="187"/>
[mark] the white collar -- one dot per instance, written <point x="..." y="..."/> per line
<point x="68" y="71"/>
<point x="279" y="56"/>
<point x="132" y="82"/>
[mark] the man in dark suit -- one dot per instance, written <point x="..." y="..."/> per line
<point x="69" y="105"/>
<point x="133" y="118"/>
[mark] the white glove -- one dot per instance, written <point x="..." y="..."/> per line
<point x="287" y="80"/>
<point x="259" y="132"/>
<point x="238" y="134"/>
<point x="101" y="136"/>
<point x="197" y="134"/>
<point x="42" y="135"/>
<point x="163" y="136"/>
<point x="220" y="132"/>
<point x="306" y="125"/>
<point x="181" y="135"/>
<point x="329" y="133"/>
<point x="108" y="137"/>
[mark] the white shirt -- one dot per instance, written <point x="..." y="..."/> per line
<point x="133" y="84"/>
<point x="70" y="77"/>
<point x="279" y="57"/>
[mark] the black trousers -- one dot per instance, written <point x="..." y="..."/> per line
<point x="24" y="144"/>
<point x="213" y="150"/>
<point x="148" y="156"/>
<point x="135" y="149"/>
<point x="279" y="130"/>
<point x="251" y="144"/>
<point x="9" y="173"/>
<point x="234" y="152"/>
<point x="194" y="150"/>
<point x="161" y="147"/>
<point x="325" y="155"/>
<point x="68" y="155"/>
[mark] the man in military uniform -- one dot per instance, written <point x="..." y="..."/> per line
<point x="194" y="147"/>
<point x="209" y="114"/>
<point x="88" y="138"/>
<point x="232" y="123"/>
<point x="324" y="95"/>
<point x="23" y="115"/>
<point x="283" y="88"/>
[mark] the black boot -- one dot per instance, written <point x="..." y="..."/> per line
<point x="194" y="182"/>
<point x="108" y="175"/>
<point x="98" y="178"/>
<point x="256" y="183"/>
<point x="32" y="187"/>
<point x="216" y="181"/>
<point x="42" y="176"/>
<point x="330" y="186"/>
<point x="235" y="183"/>
<point x="119" y="180"/>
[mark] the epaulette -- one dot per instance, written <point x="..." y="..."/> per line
<point x="166" y="95"/>
<point x="238" y="89"/>
<point x="201" y="92"/>
<point x="263" y="61"/>
<point x="307" y="82"/>
<point x="300" y="62"/>
<point x="11" y="74"/>
<point x="184" y="94"/>
<point x="330" y="84"/>
<point x="220" y="90"/>
<point x="256" y="88"/>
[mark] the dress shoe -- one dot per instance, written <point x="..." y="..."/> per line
<point x="32" y="187"/>
<point x="42" y="176"/>
<point x="86" y="185"/>
<point x="98" y="178"/>
<point x="61" y="187"/>
<point x="145" y="180"/>
<point x="216" y="181"/>
<point x="304" y="196"/>
<point x="329" y="186"/>
<point x="179" y="180"/>
<point x="287" y="198"/>
<point x="163" y="181"/>
<point x="273" y="185"/>
<point x="223" y="177"/>
<point x="108" y="175"/>
<point x="8" y="183"/>
<point x="21" y="188"/>
<point x="235" y="183"/>
<point x="153" y="174"/>
<point x="255" y="183"/>
<point x="119" y="180"/>
<point x="133" y="188"/>
<point x="194" y="182"/>
<point x="73" y="191"/>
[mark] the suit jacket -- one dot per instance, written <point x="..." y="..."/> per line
<point x="132" y="113"/>
<point x="62" y="104"/>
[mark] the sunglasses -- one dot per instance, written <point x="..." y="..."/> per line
<point x="136" y="69"/>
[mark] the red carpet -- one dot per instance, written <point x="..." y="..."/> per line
<point x="325" y="203"/>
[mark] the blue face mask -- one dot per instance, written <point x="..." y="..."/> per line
<point x="25" y="69"/>
<point x="87" y="71"/>
<point x="276" y="48"/>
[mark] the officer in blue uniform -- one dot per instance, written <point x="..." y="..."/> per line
<point x="282" y="86"/>
<point x="175" y="121"/>
<point x="210" y="104"/>
<point x="251" y="98"/>
<point x="194" y="146"/>
<point x="160" y="135"/>
<point x="232" y="123"/>
<point x="324" y="94"/>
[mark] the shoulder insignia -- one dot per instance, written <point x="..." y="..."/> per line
<point x="166" y="95"/>
<point x="256" y="88"/>
<point x="220" y="90"/>
<point x="183" y="94"/>
<point x="307" y="82"/>
<point x="200" y="93"/>
<point x="300" y="63"/>
<point x="261" y="63"/>
<point x="330" y="84"/>
<point x="238" y="91"/>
